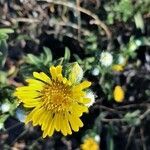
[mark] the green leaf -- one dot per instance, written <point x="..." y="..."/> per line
<point x="3" y="77"/>
<point x="6" y="30"/>
<point x="139" y="21"/>
<point x="3" y="52"/>
<point x="132" y="118"/>
<point x="109" y="138"/>
<point x="67" y="54"/>
<point x="3" y="36"/>
<point x="48" y="55"/>
<point x="31" y="59"/>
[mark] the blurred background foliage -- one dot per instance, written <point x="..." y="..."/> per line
<point x="108" y="38"/>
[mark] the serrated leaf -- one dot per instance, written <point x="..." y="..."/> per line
<point x="31" y="59"/>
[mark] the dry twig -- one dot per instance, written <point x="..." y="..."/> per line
<point x="95" y="18"/>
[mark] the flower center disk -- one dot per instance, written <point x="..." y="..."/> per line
<point x="56" y="96"/>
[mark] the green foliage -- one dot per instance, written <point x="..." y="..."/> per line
<point x="4" y="33"/>
<point x="123" y="10"/>
<point x="3" y="52"/>
<point x="132" y="118"/>
<point x="3" y="45"/>
<point x="44" y="59"/>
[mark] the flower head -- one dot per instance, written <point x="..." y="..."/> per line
<point x="106" y="59"/>
<point x="5" y="107"/>
<point x="57" y="102"/>
<point x="91" y="96"/>
<point x="118" y="94"/>
<point x="117" y="68"/>
<point x="90" y="144"/>
<point x="95" y="72"/>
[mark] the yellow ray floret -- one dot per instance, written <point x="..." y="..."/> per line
<point x="57" y="103"/>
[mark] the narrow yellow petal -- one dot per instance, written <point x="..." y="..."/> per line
<point x="57" y="121"/>
<point x="43" y="115"/>
<point x="42" y="76"/>
<point x="51" y="128"/>
<point x="67" y="124"/>
<point x="75" y="122"/>
<point x="78" y="110"/>
<point x="47" y="124"/>
<point x="27" y="94"/>
<point x="86" y="100"/>
<point x="85" y="84"/>
<point x="34" y="82"/>
<point x="35" y="117"/>
<point x="53" y="72"/>
<point x="60" y="78"/>
<point x="59" y="70"/>
<point x="30" y="115"/>
<point x="63" y="125"/>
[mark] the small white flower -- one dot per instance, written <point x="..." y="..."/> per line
<point x="106" y="59"/>
<point x="5" y="107"/>
<point x="121" y="60"/>
<point x="138" y="42"/>
<point x="133" y="47"/>
<point x="95" y="72"/>
<point x="90" y="95"/>
<point x="1" y="125"/>
<point x="20" y="114"/>
<point x="97" y="138"/>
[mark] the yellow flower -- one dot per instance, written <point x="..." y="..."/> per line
<point x="117" y="68"/>
<point x="118" y="94"/>
<point x="90" y="144"/>
<point x="57" y="103"/>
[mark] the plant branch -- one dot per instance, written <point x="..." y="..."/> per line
<point x="95" y="18"/>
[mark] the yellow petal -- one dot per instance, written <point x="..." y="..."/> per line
<point x="57" y="121"/>
<point x="42" y="76"/>
<point x="83" y="85"/>
<point x="59" y="69"/>
<point x="30" y="115"/>
<point x="63" y="125"/>
<point x="27" y="94"/>
<point x="35" y="117"/>
<point x="50" y="130"/>
<point x="75" y="122"/>
<point x="53" y="72"/>
<point x="78" y="110"/>
<point x="33" y="82"/>
<point x="60" y="78"/>
<point x="86" y="100"/>
<point x="48" y="116"/>
<point x="47" y="124"/>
